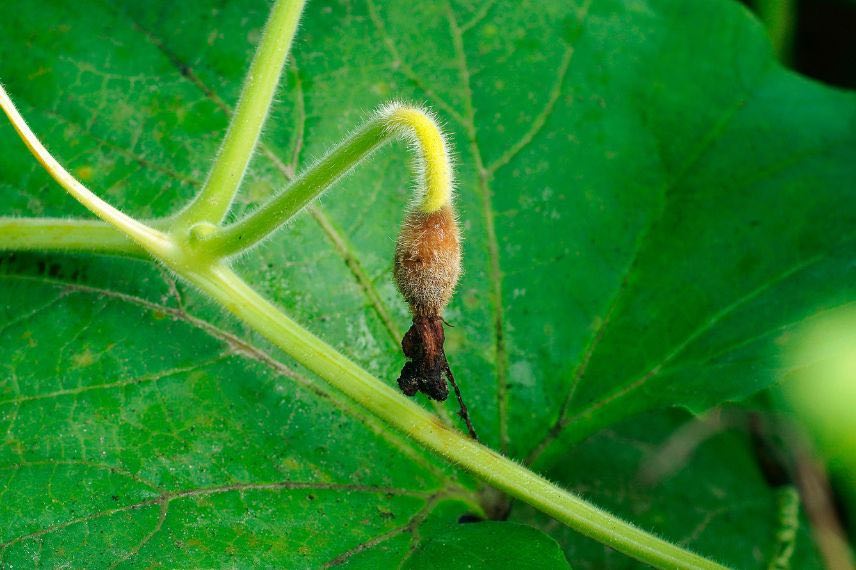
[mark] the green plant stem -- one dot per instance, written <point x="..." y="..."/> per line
<point x="154" y="241"/>
<point x="47" y="234"/>
<point x="213" y="202"/>
<point x="228" y="289"/>
<point x="249" y="231"/>
<point x="390" y="122"/>
<point x="221" y="283"/>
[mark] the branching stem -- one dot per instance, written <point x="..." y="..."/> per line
<point x="215" y="199"/>
<point x="390" y="122"/>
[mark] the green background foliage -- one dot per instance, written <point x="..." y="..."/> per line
<point x="650" y="205"/>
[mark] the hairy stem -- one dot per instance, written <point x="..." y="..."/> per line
<point x="379" y="399"/>
<point x="213" y="202"/>
<point x="47" y="234"/>
<point x="392" y="121"/>
<point x="151" y="239"/>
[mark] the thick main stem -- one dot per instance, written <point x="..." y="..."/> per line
<point x="384" y="402"/>
<point x="377" y="398"/>
<point x="390" y="122"/>
<point x="213" y="202"/>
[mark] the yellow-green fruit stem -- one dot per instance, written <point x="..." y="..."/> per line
<point x="434" y="155"/>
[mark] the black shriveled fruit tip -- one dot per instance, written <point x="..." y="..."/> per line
<point x="426" y="361"/>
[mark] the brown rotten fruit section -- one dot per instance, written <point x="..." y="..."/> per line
<point x="427" y="267"/>
<point x="426" y="364"/>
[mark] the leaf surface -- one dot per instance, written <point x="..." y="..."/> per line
<point x="488" y="544"/>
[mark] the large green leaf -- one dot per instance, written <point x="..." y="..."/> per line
<point x="649" y="204"/>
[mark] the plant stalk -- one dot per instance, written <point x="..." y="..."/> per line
<point x="215" y="199"/>
<point x="60" y="234"/>
<point x="221" y="283"/>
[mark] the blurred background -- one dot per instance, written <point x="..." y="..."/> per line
<point x="815" y="37"/>
<point x="817" y="424"/>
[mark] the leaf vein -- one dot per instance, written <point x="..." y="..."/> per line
<point x="246" y="350"/>
<point x="399" y="64"/>
<point x="541" y="118"/>
<point x="705" y="143"/>
<point x="695" y="335"/>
